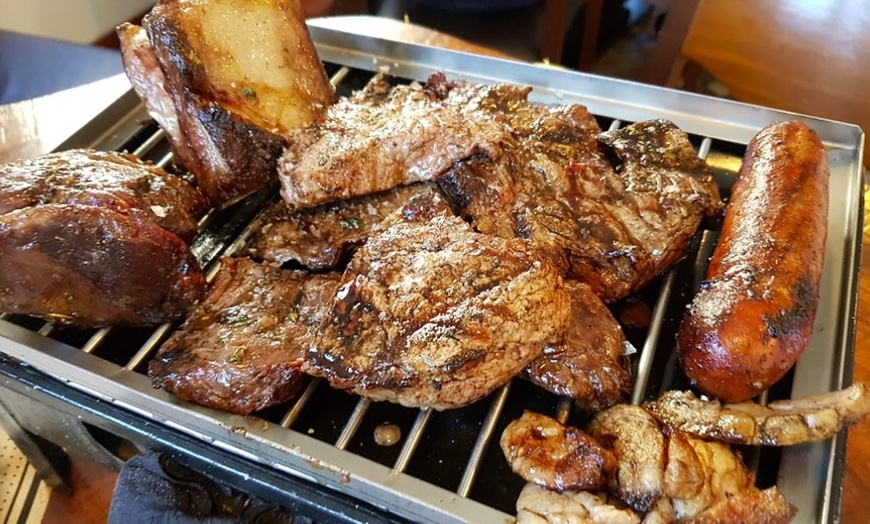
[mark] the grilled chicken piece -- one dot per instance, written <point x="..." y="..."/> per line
<point x="91" y="266"/>
<point x="319" y="238"/>
<point x="780" y="423"/>
<point x="544" y="451"/>
<point x="537" y="505"/>
<point x="382" y="137"/>
<point x="430" y="313"/>
<point x="589" y="365"/>
<point x="240" y="76"/>
<point x="117" y="181"/>
<point x="241" y="349"/>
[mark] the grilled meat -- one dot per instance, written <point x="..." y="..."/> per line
<point x="613" y="229"/>
<point x="242" y="348"/>
<point x="319" y="238"/>
<point x="117" y="181"/>
<point x="767" y="506"/>
<point x="91" y="266"/>
<point x="544" y="451"/>
<point x="537" y="505"/>
<point x="240" y="75"/>
<point x="780" y="423"/>
<point x="589" y="365"/>
<point x="430" y="313"/>
<point x="382" y="137"/>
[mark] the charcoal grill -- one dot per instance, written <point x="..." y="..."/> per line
<point x="316" y="452"/>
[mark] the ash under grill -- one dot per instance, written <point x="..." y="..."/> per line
<point x="447" y="465"/>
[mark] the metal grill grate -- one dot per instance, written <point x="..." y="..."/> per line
<point x="446" y="467"/>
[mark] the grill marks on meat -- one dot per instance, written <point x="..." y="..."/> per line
<point x="91" y="266"/>
<point x="319" y="238"/>
<point x="242" y="348"/>
<point x="588" y="365"/>
<point x="117" y="181"/>
<point x="382" y="137"/>
<point x="430" y="313"/>
<point x="226" y="95"/>
<point x="544" y="451"/>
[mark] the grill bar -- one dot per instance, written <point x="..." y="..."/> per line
<point x="303" y="399"/>
<point x="483" y="438"/>
<point x="412" y="440"/>
<point x="353" y="423"/>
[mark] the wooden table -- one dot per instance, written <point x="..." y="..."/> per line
<point x="28" y="130"/>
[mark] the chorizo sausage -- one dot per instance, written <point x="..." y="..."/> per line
<point x="754" y="313"/>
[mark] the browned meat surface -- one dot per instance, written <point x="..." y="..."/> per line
<point x="432" y="314"/>
<point x="613" y="229"/>
<point x="768" y="506"/>
<point x="91" y="266"/>
<point x="319" y="238"/>
<point x="382" y="137"/>
<point x="589" y="365"/>
<point x="117" y="181"/>
<point x="242" y="348"/>
<point x="780" y="423"/>
<point x="240" y="76"/>
<point x="544" y="451"/>
<point x="537" y="505"/>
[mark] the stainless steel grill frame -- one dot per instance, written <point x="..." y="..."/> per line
<point x="809" y="475"/>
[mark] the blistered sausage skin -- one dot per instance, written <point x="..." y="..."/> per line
<point x="754" y="314"/>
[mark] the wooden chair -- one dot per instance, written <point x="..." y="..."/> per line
<point x="556" y="26"/>
<point x="810" y="56"/>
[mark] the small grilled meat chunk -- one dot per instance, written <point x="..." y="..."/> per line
<point x="241" y="349"/>
<point x="537" y="505"/>
<point x="91" y="266"/>
<point x="240" y="76"/>
<point x="383" y="136"/>
<point x="767" y="506"/>
<point x="544" y="451"/>
<point x="319" y="238"/>
<point x="117" y="181"/>
<point x="430" y="313"/>
<point x="780" y="423"/>
<point x="589" y="365"/>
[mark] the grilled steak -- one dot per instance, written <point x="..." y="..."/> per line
<point x="91" y="266"/>
<point x="382" y="137"/>
<point x="242" y="348"/>
<point x="588" y="365"/>
<point x="239" y="75"/>
<point x="430" y="313"/>
<point x="613" y="229"/>
<point x="319" y="238"/>
<point x="117" y="181"/>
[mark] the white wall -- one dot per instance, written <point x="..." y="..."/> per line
<point x="81" y="21"/>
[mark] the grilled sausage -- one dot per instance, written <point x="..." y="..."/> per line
<point x="753" y="316"/>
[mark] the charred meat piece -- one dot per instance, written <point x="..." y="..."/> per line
<point x="780" y="423"/>
<point x="240" y="75"/>
<point x="430" y="313"/>
<point x="241" y="349"/>
<point x="117" y="181"/>
<point x="544" y="451"/>
<point x="383" y="136"/>
<point x="589" y="365"/>
<point x="319" y="238"/>
<point x="613" y="229"/>
<point x="91" y="266"/>
<point x="537" y="505"/>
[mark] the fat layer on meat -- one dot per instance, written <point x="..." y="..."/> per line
<point x="430" y="313"/>
<point x="589" y="364"/>
<point x="91" y="266"/>
<point x="242" y="348"/>
<point x="117" y="181"/>
<point x="537" y="505"/>
<point x="544" y="451"/>
<point x="319" y="238"/>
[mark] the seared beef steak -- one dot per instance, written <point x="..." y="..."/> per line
<point x="382" y="137"/>
<point x="318" y="238"/>
<point x="113" y="180"/>
<point x="588" y="365"/>
<point x="90" y="266"/>
<point x="242" y="348"/>
<point x="430" y="313"/>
